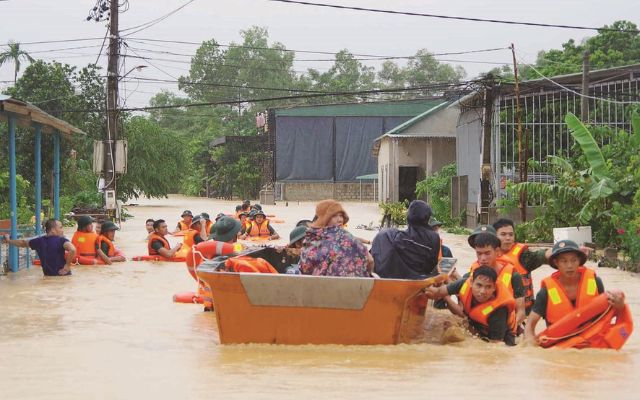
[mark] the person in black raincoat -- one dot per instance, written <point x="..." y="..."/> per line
<point x="408" y="254"/>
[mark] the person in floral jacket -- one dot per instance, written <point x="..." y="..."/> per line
<point x="329" y="250"/>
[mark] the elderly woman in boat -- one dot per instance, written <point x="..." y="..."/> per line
<point x="329" y="250"/>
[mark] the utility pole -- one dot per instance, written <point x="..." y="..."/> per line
<point x="485" y="179"/>
<point x="584" y="101"/>
<point x="522" y="159"/>
<point x="112" y="100"/>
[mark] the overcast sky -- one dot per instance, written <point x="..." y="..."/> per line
<point x="304" y="28"/>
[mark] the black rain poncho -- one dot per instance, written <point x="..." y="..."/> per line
<point x="409" y="254"/>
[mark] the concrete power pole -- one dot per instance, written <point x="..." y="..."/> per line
<point x="112" y="101"/>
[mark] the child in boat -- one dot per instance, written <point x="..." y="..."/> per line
<point x="572" y="286"/>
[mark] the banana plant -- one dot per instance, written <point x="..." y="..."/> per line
<point x="587" y="190"/>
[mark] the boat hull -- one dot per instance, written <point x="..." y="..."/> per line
<point x="295" y="309"/>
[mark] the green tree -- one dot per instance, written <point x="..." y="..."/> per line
<point x="155" y="164"/>
<point x="14" y="54"/>
<point x="609" y="48"/>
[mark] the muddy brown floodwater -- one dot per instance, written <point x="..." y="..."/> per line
<point x="113" y="332"/>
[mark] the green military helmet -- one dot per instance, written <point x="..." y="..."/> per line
<point x="108" y="226"/>
<point x="566" y="246"/>
<point x="481" y="229"/>
<point x="297" y="233"/>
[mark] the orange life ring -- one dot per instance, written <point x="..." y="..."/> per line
<point x="187" y="297"/>
<point x="88" y="260"/>
<point x="590" y="326"/>
<point x="157" y="258"/>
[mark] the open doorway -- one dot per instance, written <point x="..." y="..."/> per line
<point x="407" y="179"/>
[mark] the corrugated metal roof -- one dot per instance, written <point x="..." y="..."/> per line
<point x="27" y="114"/>
<point x="380" y="109"/>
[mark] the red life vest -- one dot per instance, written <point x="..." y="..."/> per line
<point x="153" y="237"/>
<point x="261" y="230"/>
<point x="559" y="304"/>
<point x="85" y="243"/>
<point x="504" y="274"/>
<point x="513" y="257"/>
<point x="480" y="313"/>
<point x="112" y="249"/>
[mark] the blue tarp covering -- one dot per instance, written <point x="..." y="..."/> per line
<point x="328" y="148"/>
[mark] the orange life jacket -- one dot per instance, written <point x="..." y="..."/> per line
<point x="504" y="276"/>
<point x="559" y="304"/>
<point x="207" y="227"/>
<point x="189" y="238"/>
<point x="249" y="264"/>
<point x="440" y="252"/>
<point x="183" y="225"/>
<point x="154" y="236"/>
<point x="480" y="312"/>
<point x="513" y="257"/>
<point x="112" y="249"/>
<point x="261" y="230"/>
<point x="85" y="243"/>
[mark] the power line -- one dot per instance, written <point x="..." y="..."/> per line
<point x="151" y="23"/>
<point x="576" y="92"/>
<point x="380" y="58"/>
<point x="56" y="41"/>
<point x="294" y="97"/>
<point x="471" y="19"/>
<point x="375" y="56"/>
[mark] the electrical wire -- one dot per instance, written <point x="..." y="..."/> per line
<point x="151" y="23"/>
<point x="305" y="96"/>
<point x="574" y="91"/>
<point x="415" y="14"/>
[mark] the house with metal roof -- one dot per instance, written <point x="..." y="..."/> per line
<point x="321" y="151"/>
<point x="488" y="141"/>
<point x="414" y="150"/>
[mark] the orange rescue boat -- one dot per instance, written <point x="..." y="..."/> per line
<point x="300" y="309"/>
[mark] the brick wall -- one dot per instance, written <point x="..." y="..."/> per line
<point x="314" y="191"/>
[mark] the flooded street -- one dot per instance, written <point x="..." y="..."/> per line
<point x="113" y="332"/>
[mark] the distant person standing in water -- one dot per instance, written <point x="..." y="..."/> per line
<point x="51" y="249"/>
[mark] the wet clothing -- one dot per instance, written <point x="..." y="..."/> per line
<point x="50" y="250"/>
<point x="542" y="297"/>
<point x="104" y="246"/>
<point x="532" y="260"/>
<point x="332" y="251"/>
<point x="497" y="321"/>
<point x="157" y="245"/>
<point x="409" y="254"/>
<point x="516" y="284"/>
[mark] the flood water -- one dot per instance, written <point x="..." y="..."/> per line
<point x="113" y="332"/>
